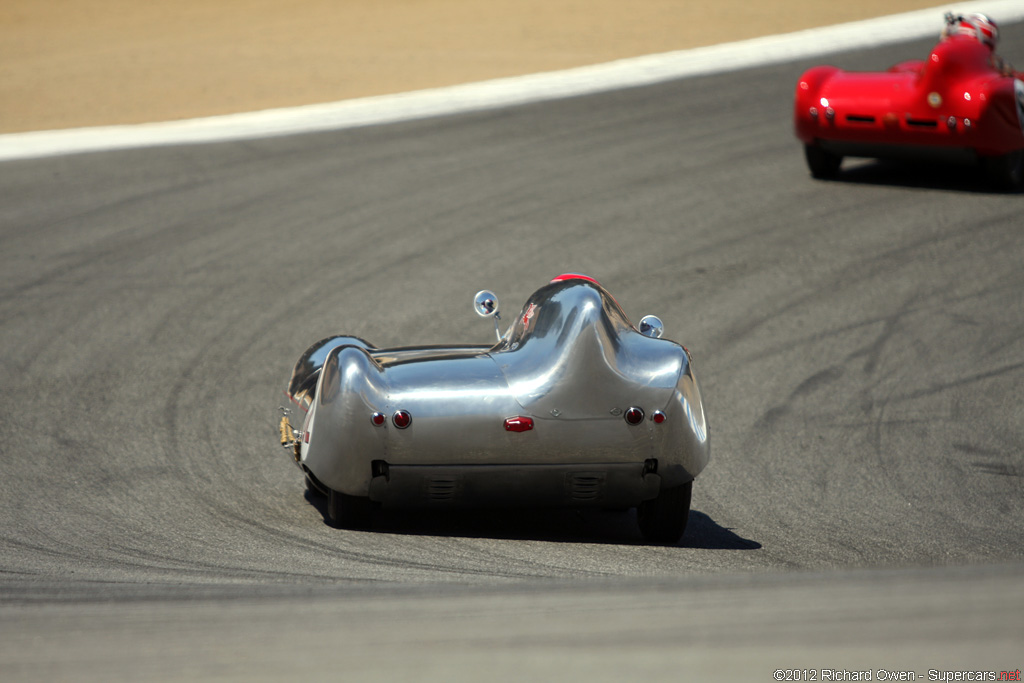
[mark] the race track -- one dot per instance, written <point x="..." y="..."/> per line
<point x="860" y="345"/>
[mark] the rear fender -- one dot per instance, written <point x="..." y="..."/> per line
<point x="307" y="370"/>
<point x="342" y="439"/>
<point x="808" y="95"/>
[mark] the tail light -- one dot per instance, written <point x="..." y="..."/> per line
<point x="518" y="424"/>
<point x="401" y="419"/>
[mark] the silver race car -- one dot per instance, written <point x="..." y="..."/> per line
<point x="572" y="407"/>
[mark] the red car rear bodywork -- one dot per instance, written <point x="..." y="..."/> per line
<point x="960" y="104"/>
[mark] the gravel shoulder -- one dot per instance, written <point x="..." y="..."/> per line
<point x="102" y="62"/>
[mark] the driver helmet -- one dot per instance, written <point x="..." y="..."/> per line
<point x="973" y="25"/>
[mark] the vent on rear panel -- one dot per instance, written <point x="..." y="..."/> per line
<point x="859" y="118"/>
<point x="441" y="488"/>
<point x="922" y="123"/>
<point x="586" y="486"/>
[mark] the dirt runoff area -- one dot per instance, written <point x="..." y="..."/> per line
<point x="73" y="63"/>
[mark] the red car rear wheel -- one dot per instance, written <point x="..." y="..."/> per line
<point x="822" y="163"/>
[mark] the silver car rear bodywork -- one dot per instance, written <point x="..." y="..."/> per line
<point x="571" y="407"/>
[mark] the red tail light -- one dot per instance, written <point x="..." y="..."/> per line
<point x="402" y="419"/>
<point x="634" y="415"/>
<point x="518" y="424"/>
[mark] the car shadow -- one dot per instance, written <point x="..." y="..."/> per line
<point x="917" y="175"/>
<point x="612" y="527"/>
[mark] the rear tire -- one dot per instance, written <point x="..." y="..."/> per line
<point x="1006" y="172"/>
<point x="663" y="519"/>
<point x="313" y="488"/>
<point x="348" y="512"/>
<point x="822" y="163"/>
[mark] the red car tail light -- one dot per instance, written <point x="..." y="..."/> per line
<point x="402" y="419"/>
<point x="518" y="424"/>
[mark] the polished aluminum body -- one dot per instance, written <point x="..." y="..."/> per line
<point x="540" y="417"/>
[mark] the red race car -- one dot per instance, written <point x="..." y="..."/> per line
<point x="963" y="104"/>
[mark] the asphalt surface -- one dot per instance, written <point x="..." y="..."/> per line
<point x="860" y="345"/>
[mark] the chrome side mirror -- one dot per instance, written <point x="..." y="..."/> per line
<point x="651" y="326"/>
<point x="485" y="303"/>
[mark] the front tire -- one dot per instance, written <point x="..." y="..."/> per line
<point x="823" y="164"/>
<point x="663" y="519"/>
<point x="1006" y="172"/>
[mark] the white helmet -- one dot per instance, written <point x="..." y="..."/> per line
<point x="973" y="25"/>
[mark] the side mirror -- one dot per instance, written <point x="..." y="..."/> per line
<point x="651" y="326"/>
<point x="485" y="303"/>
